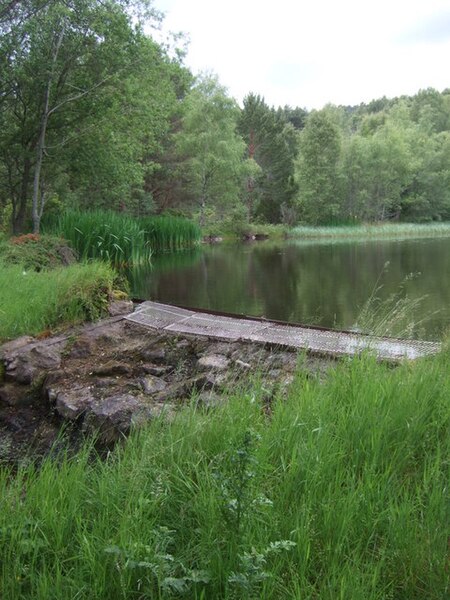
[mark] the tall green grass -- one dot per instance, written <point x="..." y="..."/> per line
<point x="121" y="239"/>
<point x="341" y="491"/>
<point x="103" y="235"/>
<point x="394" y="316"/>
<point x="170" y="233"/>
<point x="373" y="230"/>
<point x="31" y="302"/>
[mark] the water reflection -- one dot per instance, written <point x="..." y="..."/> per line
<point x="322" y="284"/>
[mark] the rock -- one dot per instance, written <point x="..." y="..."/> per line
<point x="223" y="348"/>
<point x="213" y="361"/>
<point x="185" y="388"/>
<point x="183" y="345"/>
<point x="213" y="379"/>
<point x="151" y="384"/>
<point x="156" y="355"/>
<point x="15" y="395"/>
<point x="113" y="367"/>
<point x="66" y="255"/>
<point x="120" y="307"/>
<point x="156" y="370"/>
<point x="71" y="404"/>
<point x="210" y="399"/>
<point x="11" y="347"/>
<point x="212" y="239"/>
<point x="113" y="416"/>
<point x="81" y="348"/>
<point x="104" y="382"/>
<point x="243" y="365"/>
<point x="274" y="373"/>
<point x="26" y="367"/>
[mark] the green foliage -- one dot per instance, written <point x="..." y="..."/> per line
<point x="87" y="100"/>
<point x="105" y="235"/>
<point x="355" y="466"/>
<point x="31" y="302"/>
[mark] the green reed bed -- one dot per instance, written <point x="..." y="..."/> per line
<point x="31" y="301"/>
<point x="170" y="233"/>
<point x="340" y="490"/>
<point x="373" y="230"/>
<point x="103" y="235"/>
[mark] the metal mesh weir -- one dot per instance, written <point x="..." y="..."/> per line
<point x="317" y="341"/>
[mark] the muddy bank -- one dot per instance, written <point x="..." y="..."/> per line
<point x="112" y="376"/>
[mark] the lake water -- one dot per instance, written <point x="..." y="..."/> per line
<point x="316" y="283"/>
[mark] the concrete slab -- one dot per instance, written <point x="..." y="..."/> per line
<point x="317" y="341"/>
<point x="158" y="316"/>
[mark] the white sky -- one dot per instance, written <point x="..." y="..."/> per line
<point x="311" y="52"/>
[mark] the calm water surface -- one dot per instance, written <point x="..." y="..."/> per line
<point x="316" y="283"/>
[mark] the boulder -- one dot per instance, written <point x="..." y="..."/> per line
<point x="113" y="367"/>
<point x="217" y="362"/>
<point x="151" y="384"/>
<point x="12" y="347"/>
<point x="154" y="355"/>
<point x="120" y="307"/>
<point x="28" y="366"/>
<point x="71" y="404"/>
<point x="15" y="395"/>
<point x="81" y="348"/>
<point x="113" y="417"/>
<point x="156" y="370"/>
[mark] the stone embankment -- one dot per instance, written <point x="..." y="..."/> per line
<point x="115" y="375"/>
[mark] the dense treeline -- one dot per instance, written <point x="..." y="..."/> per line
<point x="94" y="113"/>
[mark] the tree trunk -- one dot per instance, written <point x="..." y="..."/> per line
<point x="37" y="206"/>
<point x="20" y="210"/>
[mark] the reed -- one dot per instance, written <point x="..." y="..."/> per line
<point x="104" y="235"/>
<point x="164" y="233"/>
<point x="381" y="230"/>
<point x="341" y="493"/>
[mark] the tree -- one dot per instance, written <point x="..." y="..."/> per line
<point x="213" y="152"/>
<point x="317" y="169"/>
<point x="272" y="143"/>
<point x="60" y="63"/>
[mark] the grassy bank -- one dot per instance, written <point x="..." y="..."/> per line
<point x="338" y="491"/>
<point x="381" y="230"/>
<point x="31" y="302"/>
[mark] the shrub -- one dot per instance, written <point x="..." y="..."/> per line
<point x="36" y="252"/>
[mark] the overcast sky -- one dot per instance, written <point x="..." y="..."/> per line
<point x="311" y="52"/>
